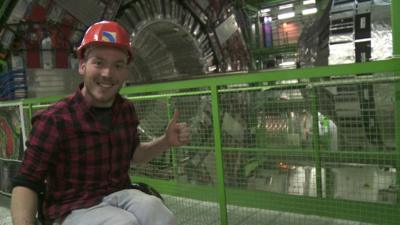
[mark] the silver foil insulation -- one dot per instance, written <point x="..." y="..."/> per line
<point x="359" y="31"/>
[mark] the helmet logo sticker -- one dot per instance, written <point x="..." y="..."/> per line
<point x="108" y="36"/>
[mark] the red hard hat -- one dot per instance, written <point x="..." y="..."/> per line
<point x="106" y="33"/>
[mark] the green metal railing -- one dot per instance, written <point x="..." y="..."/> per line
<point x="227" y="188"/>
<point x="217" y="178"/>
<point x="395" y="8"/>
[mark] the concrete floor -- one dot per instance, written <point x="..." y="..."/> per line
<point x="5" y="218"/>
<point x="194" y="212"/>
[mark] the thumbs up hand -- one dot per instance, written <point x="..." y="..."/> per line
<point x="177" y="134"/>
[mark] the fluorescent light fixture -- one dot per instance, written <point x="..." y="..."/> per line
<point x="309" y="11"/>
<point x="265" y="10"/>
<point x="267" y="19"/>
<point x="308" y="2"/>
<point x="285" y="15"/>
<point x="288" y="63"/>
<point x="287" y="6"/>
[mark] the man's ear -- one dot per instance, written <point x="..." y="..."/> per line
<point x="82" y="66"/>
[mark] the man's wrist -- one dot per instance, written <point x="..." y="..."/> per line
<point x="165" y="141"/>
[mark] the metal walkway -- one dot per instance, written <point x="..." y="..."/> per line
<point x="194" y="212"/>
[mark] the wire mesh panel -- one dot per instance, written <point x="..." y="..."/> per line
<point x="29" y="112"/>
<point x="300" y="151"/>
<point x="359" y="163"/>
<point x="189" y="170"/>
<point x="153" y="118"/>
<point x="267" y="147"/>
<point x="266" y="134"/>
<point x="11" y="143"/>
<point x="196" y="162"/>
<point x="360" y="116"/>
<point x="323" y="148"/>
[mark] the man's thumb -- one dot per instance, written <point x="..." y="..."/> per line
<point x="175" y="116"/>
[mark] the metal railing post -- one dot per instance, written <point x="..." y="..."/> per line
<point x="316" y="141"/>
<point x="218" y="156"/>
<point x="395" y="9"/>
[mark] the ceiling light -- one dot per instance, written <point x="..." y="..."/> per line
<point x="308" y="2"/>
<point x="267" y="19"/>
<point x="285" y="6"/>
<point x="309" y="11"/>
<point x="288" y="63"/>
<point x="265" y="10"/>
<point x="285" y="15"/>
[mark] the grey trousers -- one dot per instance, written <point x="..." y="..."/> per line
<point x="126" y="207"/>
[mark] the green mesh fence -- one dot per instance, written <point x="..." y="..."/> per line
<point x="312" y="150"/>
<point x="299" y="151"/>
<point x="190" y="170"/>
<point x="331" y="140"/>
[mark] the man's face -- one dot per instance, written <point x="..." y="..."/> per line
<point x="104" y="71"/>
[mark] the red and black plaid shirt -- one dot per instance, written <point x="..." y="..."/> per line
<point x="81" y="159"/>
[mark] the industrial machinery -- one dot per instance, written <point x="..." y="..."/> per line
<point x="172" y="39"/>
<point x="303" y="145"/>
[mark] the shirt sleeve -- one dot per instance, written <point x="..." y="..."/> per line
<point x="39" y="154"/>
<point x="136" y="125"/>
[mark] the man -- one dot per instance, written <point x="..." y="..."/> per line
<point x="82" y="146"/>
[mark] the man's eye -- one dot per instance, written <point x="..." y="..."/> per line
<point x="119" y="65"/>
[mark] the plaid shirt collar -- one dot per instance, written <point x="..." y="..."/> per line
<point x="84" y="106"/>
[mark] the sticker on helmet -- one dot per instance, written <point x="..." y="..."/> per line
<point x="109" y="36"/>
